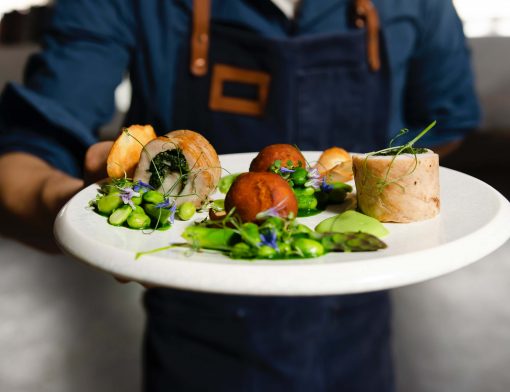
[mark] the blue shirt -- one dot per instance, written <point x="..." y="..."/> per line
<point x="69" y="86"/>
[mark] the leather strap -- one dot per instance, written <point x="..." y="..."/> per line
<point x="366" y="16"/>
<point x="200" y="37"/>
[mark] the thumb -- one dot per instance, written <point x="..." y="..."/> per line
<point x="95" y="162"/>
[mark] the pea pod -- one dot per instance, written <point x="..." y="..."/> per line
<point x="211" y="237"/>
<point x="120" y="215"/>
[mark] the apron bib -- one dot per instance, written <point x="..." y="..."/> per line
<point x="243" y="92"/>
<point x="250" y="91"/>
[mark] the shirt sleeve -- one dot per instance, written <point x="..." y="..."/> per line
<point x="440" y="82"/>
<point x="68" y="89"/>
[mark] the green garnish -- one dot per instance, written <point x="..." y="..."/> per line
<point x="167" y="162"/>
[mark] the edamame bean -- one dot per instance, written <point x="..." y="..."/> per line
<point x="308" y="247"/>
<point x="153" y="197"/>
<point x="300" y="176"/>
<point x="242" y="250"/>
<point x="158" y="215"/>
<point x="266" y="252"/>
<point x="309" y="191"/>
<point x="307" y="202"/>
<point x="138" y="221"/>
<point x="108" y="203"/>
<point x="119" y="216"/>
<point x="186" y="211"/>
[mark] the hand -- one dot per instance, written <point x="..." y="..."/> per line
<point x="32" y="193"/>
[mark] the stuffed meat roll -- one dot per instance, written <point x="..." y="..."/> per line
<point x="403" y="189"/>
<point x="182" y="164"/>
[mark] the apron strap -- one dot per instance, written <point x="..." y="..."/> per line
<point x="200" y="37"/>
<point x="366" y="16"/>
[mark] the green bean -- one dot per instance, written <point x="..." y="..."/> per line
<point x="186" y="211"/>
<point x="153" y="197"/>
<point x="138" y="221"/>
<point x="119" y="216"/>
<point x="108" y="203"/>
<point x="308" y="247"/>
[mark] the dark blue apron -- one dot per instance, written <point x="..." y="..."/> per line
<point x="243" y="92"/>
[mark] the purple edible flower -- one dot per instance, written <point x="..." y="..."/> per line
<point x="268" y="237"/>
<point x="325" y="187"/>
<point x="167" y="203"/>
<point x="141" y="185"/>
<point x="285" y="170"/>
<point x="272" y="212"/>
<point x="126" y="194"/>
<point x="314" y="179"/>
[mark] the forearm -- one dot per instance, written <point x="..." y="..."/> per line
<point x="31" y="194"/>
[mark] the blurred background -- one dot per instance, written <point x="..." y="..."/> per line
<point x="66" y="327"/>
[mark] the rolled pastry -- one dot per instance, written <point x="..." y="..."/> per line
<point x="404" y="189"/>
<point x="182" y="164"/>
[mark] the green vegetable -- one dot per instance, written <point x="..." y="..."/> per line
<point x="167" y="162"/>
<point x="309" y="191"/>
<point x="226" y="182"/>
<point x="308" y="248"/>
<point x="266" y="252"/>
<point x="137" y="200"/>
<point x="250" y="234"/>
<point x="242" y="250"/>
<point x="210" y="237"/>
<point x="120" y="215"/>
<point x="300" y="176"/>
<point x="160" y="216"/>
<point x="336" y="196"/>
<point x="351" y="242"/>
<point x="138" y="221"/>
<point x="352" y="221"/>
<point x="186" y="211"/>
<point x="108" y="203"/>
<point x="153" y="197"/>
<point x="307" y="202"/>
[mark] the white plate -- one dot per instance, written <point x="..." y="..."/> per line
<point x="474" y="221"/>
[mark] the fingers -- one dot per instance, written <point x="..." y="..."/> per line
<point x="95" y="162"/>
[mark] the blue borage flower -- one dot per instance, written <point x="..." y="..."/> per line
<point x="139" y="185"/>
<point x="167" y="203"/>
<point x="284" y="170"/>
<point x="272" y="212"/>
<point x="325" y="187"/>
<point x="268" y="237"/>
<point x="127" y="194"/>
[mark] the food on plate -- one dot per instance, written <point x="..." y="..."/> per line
<point x="335" y="164"/>
<point x="125" y="152"/>
<point x="182" y="165"/>
<point x="275" y="238"/>
<point x="138" y="206"/>
<point x="287" y="154"/>
<point x="256" y="193"/>
<point x="398" y="184"/>
<point x="349" y="221"/>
